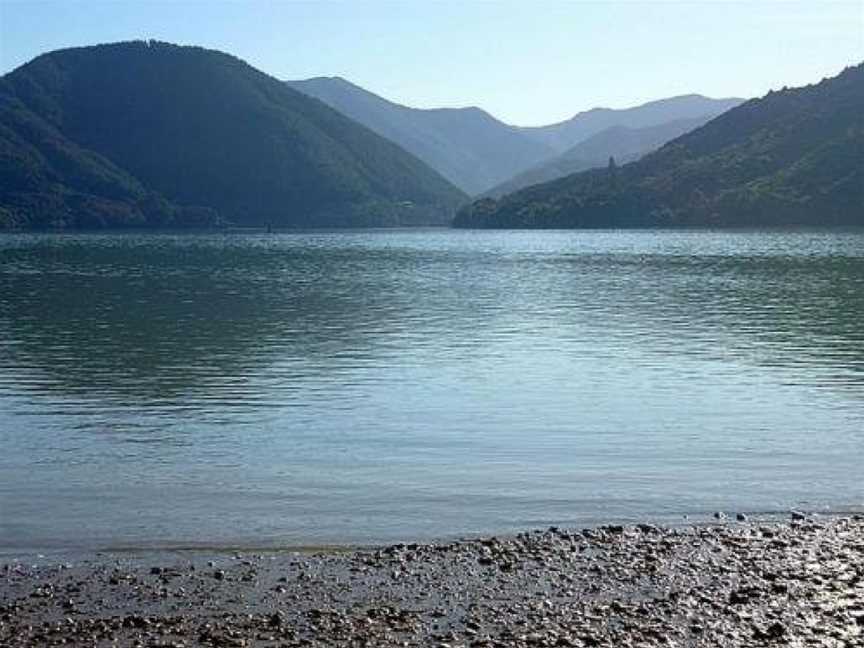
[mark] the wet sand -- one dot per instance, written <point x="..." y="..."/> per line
<point x="798" y="582"/>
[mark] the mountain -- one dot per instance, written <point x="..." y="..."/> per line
<point x="793" y="157"/>
<point x="149" y="133"/>
<point x="566" y="134"/>
<point x="482" y="155"/>
<point x="468" y="146"/>
<point x="619" y="142"/>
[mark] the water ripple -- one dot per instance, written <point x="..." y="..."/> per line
<point x="371" y="386"/>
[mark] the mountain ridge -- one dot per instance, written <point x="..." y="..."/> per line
<point x="147" y="133"/>
<point x="468" y="146"/>
<point x="792" y="157"/>
<point x="569" y="132"/>
<point x="622" y="143"/>
<point x="479" y="152"/>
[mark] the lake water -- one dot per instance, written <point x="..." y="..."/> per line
<point x="316" y="388"/>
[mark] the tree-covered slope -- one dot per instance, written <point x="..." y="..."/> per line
<point x="47" y="180"/>
<point x="122" y="134"/>
<point x="794" y="157"/>
<point x="619" y="142"/>
<point x="468" y="146"/>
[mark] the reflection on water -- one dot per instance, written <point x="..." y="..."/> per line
<point x="374" y="386"/>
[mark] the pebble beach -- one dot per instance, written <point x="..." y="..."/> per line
<point x="795" y="582"/>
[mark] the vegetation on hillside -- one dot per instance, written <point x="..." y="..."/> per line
<point x="153" y="134"/>
<point x="794" y="157"/>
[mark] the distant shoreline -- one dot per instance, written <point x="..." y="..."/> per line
<point x="423" y="228"/>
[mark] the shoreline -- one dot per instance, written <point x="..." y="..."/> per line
<point x="730" y="583"/>
<point x="49" y="555"/>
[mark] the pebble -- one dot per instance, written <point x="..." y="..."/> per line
<point x="764" y="583"/>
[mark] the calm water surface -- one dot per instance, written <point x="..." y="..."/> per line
<point x="160" y="390"/>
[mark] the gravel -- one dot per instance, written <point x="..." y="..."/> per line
<point x="758" y="583"/>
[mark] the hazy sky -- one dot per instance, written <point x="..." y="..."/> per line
<point x="527" y="62"/>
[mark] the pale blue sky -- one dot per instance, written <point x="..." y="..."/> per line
<point x="525" y="62"/>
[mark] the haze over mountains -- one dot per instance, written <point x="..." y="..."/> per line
<point x="619" y="142"/>
<point x="467" y="146"/>
<point x="477" y="152"/>
<point x="149" y="134"/>
<point x="566" y="134"/>
<point x="794" y="157"/>
<point x="154" y="134"/>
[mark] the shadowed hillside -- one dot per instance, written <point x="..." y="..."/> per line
<point x="794" y="157"/>
<point x="121" y="134"/>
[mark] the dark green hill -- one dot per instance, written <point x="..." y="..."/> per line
<point x="794" y="157"/>
<point x="121" y="134"/>
<point x="468" y="146"/>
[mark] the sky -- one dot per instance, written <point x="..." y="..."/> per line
<point x="528" y="62"/>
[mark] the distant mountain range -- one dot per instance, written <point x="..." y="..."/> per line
<point x="153" y="134"/>
<point x="467" y="146"/>
<point x="149" y="134"/>
<point x="793" y="157"/>
<point x="619" y="142"/>
<point x="564" y="135"/>
<point x="477" y="152"/>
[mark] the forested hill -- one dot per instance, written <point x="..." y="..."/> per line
<point x="468" y="146"/>
<point x="148" y="133"/>
<point x="793" y="157"/>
